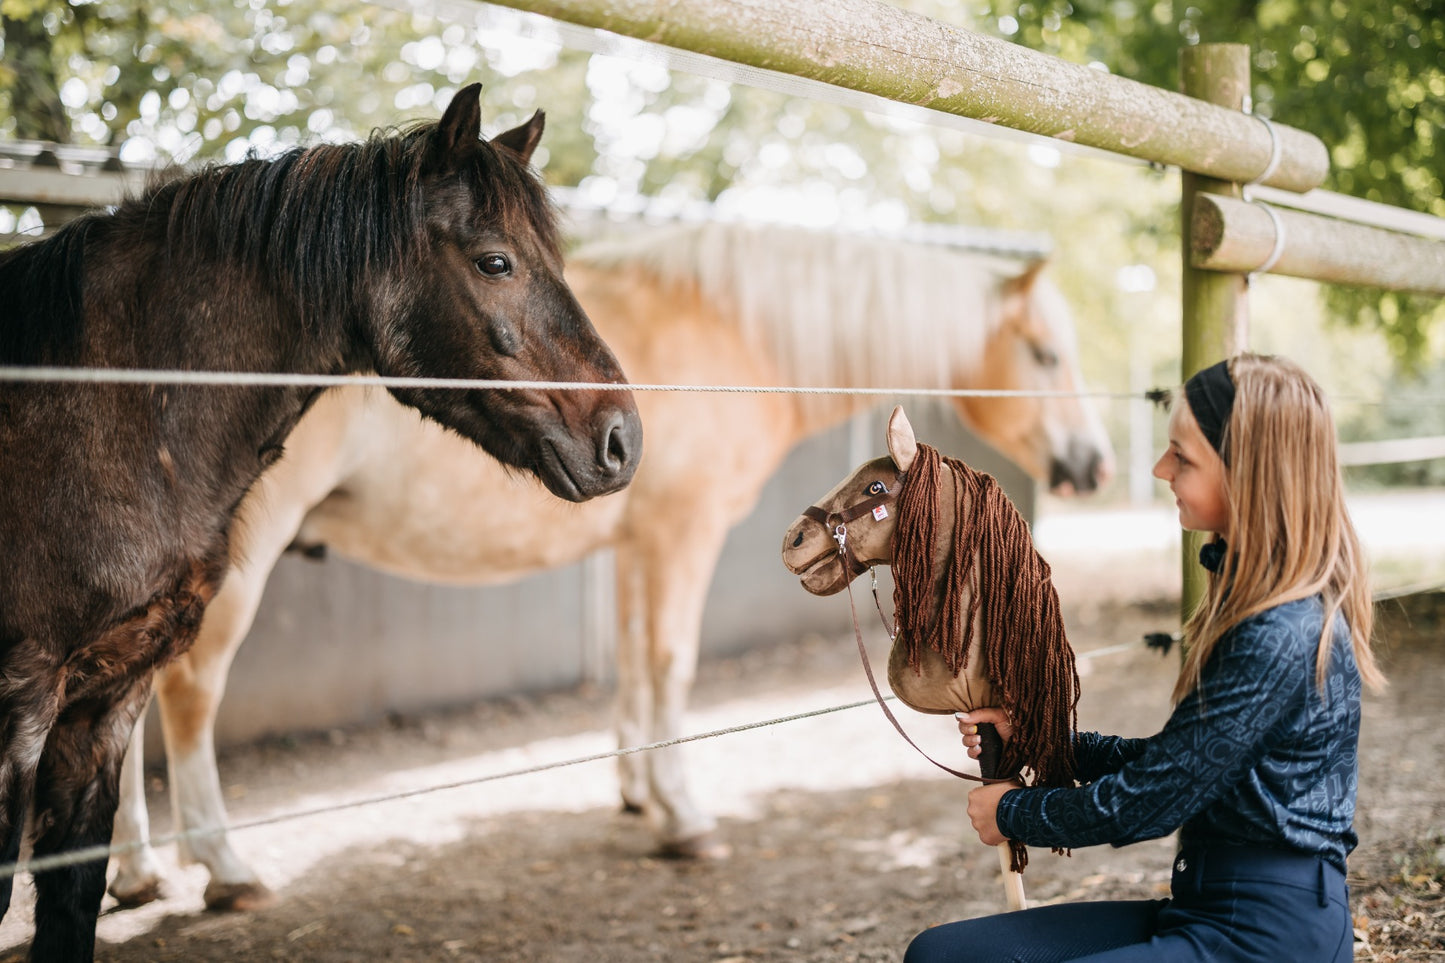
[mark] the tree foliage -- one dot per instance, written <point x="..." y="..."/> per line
<point x="1368" y="78"/>
<point x="173" y="80"/>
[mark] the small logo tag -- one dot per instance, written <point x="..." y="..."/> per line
<point x="880" y="513"/>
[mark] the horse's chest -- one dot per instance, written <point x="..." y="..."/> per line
<point x="928" y="685"/>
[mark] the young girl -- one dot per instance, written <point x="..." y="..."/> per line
<point x="1257" y="765"/>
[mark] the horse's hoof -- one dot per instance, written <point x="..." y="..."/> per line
<point x="132" y="896"/>
<point x="238" y="897"/>
<point x="705" y="846"/>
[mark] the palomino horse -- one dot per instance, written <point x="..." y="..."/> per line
<point x="710" y="304"/>
<point x="977" y="617"/>
<point x="427" y="252"/>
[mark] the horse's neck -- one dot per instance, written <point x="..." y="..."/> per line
<point x="163" y="302"/>
<point x="944" y="562"/>
<point x="203" y="313"/>
<point x="933" y="335"/>
<point x="955" y="508"/>
<point x="924" y="681"/>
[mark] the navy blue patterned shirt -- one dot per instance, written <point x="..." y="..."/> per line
<point x="1255" y="756"/>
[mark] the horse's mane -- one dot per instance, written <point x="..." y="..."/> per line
<point x="318" y="219"/>
<point x="831" y="308"/>
<point x="1029" y="662"/>
<point x="40" y="297"/>
<point x="322" y="215"/>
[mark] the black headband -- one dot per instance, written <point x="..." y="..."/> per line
<point x="1210" y="394"/>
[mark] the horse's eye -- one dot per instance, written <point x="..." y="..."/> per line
<point x="1045" y="357"/>
<point x="877" y="488"/>
<point x="494" y="265"/>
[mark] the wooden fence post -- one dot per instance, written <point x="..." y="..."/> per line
<point x="1215" y="305"/>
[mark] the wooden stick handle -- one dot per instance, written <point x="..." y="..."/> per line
<point x="990" y="752"/>
<point x="1013" y="883"/>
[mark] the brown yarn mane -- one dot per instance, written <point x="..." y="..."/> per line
<point x="1028" y="660"/>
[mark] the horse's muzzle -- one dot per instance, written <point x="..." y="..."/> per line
<point x="1081" y="470"/>
<point x="810" y="553"/>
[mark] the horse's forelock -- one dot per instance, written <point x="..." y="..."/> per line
<point x="1050" y="306"/>
<point x="510" y="190"/>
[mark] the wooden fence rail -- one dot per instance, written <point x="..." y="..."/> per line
<point x="876" y="48"/>
<point x="1228" y="234"/>
<point x="872" y="47"/>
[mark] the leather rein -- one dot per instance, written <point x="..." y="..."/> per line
<point x="836" y="523"/>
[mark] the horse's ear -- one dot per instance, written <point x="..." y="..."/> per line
<point x="523" y="140"/>
<point x="461" y="126"/>
<point x="1024" y="282"/>
<point x="901" y="443"/>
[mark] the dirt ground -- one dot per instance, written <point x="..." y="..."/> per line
<point x="844" y="842"/>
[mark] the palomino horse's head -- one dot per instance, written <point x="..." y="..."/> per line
<point x="480" y="295"/>
<point x="1056" y="438"/>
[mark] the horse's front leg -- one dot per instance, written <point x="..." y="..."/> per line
<point x="28" y="707"/>
<point x="138" y="874"/>
<point x="676" y="583"/>
<point x="77" y="789"/>
<point x="634" y="683"/>
<point x="190" y="693"/>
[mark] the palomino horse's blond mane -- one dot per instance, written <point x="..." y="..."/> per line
<point x="908" y="313"/>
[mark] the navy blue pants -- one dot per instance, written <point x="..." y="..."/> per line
<point x="1226" y="906"/>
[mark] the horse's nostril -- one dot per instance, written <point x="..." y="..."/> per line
<point x="1101" y="470"/>
<point x="1059" y="473"/>
<point x="798" y="541"/>
<point x="617" y="446"/>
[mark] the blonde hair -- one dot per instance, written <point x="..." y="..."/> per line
<point x="1290" y="534"/>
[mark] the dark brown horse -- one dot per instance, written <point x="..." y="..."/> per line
<point x="421" y="252"/>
